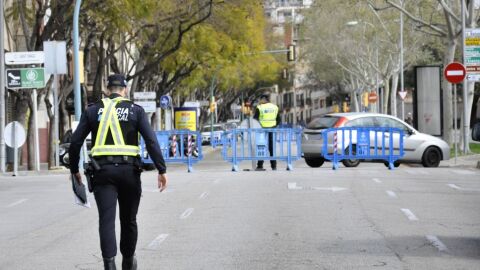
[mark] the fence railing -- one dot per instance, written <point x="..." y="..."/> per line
<point x="177" y="146"/>
<point x="281" y="144"/>
<point x="375" y="143"/>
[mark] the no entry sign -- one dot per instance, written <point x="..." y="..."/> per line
<point x="455" y="72"/>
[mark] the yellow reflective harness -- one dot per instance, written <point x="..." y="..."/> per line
<point x="109" y="121"/>
<point x="268" y="115"/>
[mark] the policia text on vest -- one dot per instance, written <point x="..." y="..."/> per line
<point x="115" y="124"/>
<point x="267" y="114"/>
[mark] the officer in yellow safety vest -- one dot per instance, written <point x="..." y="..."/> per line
<point x="267" y="114"/>
<point x="115" y="123"/>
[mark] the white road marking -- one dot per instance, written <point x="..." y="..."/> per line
<point x="293" y="186"/>
<point x="17" y="203"/>
<point x="463" y="172"/>
<point x="461" y="188"/>
<point x="157" y="241"/>
<point x="410" y="215"/>
<point x="332" y="189"/>
<point x="187" y="213"/>
<point x="203" y="195"/>
<point x="392" y="194"/>
<point x="437" y="243"/>
<point x="376" y="180"/>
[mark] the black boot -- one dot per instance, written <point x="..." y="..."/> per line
<point x="129" y="263"/>
<point x="109" y="263"/>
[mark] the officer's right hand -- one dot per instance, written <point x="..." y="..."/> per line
<point x="162" y="181"/>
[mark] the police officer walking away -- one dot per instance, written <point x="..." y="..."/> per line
<point x="267" y="114"/>
<point x="115" y="123"/>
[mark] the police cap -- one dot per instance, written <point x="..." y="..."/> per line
<point x="265" y="96"/>
<point x="117" y="80"/>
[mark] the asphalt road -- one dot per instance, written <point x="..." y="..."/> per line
<point x="360" y="218"/>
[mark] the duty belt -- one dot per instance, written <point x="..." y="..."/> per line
<point x="102" y="160"/>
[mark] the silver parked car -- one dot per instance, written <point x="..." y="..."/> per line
<point x="418" y="147"/>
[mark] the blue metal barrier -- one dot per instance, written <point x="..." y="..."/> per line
<point x="363" y="143"/>
<point x="253" y="144"/>
<point x="177" y="146"/>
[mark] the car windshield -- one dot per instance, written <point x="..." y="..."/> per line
<point x="322" y="122"/>
<point x="209" y="128"/>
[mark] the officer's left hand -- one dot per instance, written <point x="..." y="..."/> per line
<point x="78" y="176"/>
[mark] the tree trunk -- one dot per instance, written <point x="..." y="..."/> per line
<point x="393" y="100"/>
<point x="386" y="90"/>
<point x="448" y="57"/>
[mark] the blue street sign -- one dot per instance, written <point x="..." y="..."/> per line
<point x="165" y="102"/>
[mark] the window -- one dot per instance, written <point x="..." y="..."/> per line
<point x="316" y="104"/>
<point x="361" y="122"/>
<point x="322" y="103"/>
<point x="322" y="122"/>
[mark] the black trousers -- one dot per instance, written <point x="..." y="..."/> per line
<point x="117" y="182"/>
<point x="273" y="163"/>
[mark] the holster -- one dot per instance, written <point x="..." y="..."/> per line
<point x="90" y="169"/>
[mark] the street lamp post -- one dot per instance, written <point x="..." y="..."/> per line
<point x="402" y="85"/>
<point x="2" y="90"/>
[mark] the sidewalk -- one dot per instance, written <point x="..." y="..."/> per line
<point x="469" y="161"/>
<point x="22" y="170"/>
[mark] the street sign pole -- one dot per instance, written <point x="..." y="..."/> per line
<point x="2" y="90"/>
<point x="35" y="133"/>
<point x="76" y="63"/>
<point x="56" y="120"/>
<point x="15" y="150"/>
<point x="455" y="73"/>
<point x="455" y="137"/>
<point x="466" y="117"/>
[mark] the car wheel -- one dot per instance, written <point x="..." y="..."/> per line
<point x="314" y="162"/>
<point x="396" y="164"/>
<point x="431" y="157"/>
<point x="351" y="162"/>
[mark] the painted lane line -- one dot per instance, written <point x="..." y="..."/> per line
<point x="203" y="195"/>
<point x="434" y="241"/>
<point x="376" y="180"/>
<point x="293" y="186"/>
<point x="463" y="172"/>
<point x="17" y="203"/>
<point x="410" y="215"/>
<point x="332" y="189"/>
<point x="391" y="194"/>
<point x="461" y="188"/>
<point x="157" y="241"/>
<point x="187" y="213"/>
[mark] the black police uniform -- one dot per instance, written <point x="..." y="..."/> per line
<point x="119" y="176"/>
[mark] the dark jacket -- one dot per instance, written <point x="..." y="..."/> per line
<point x="132" y="120"/>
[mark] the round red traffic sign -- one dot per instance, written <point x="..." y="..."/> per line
<point x="372" y="97"/>
<point x="455" y="72"/>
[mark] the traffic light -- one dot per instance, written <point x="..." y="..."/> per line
<point x="365" y="99"/>
<point x="213" y="105"/>
<point x="291" y="54"/>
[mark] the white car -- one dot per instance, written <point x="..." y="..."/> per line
<point x="418" y="147"/>
<point x="207" y="132"/>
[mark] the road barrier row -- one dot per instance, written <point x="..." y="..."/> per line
<point x="282" y="144"/>
<point x="177" y="146"/>
<point x="376" y="143"/>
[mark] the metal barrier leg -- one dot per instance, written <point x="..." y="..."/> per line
<point x="289" y="151"/>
